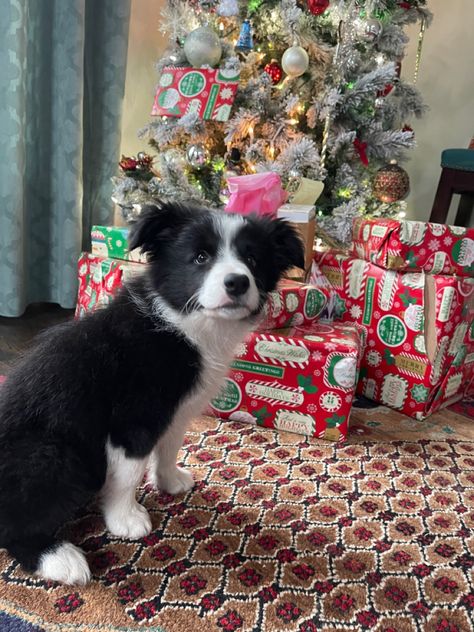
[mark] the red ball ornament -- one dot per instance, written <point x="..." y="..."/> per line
<point x="386" y="91"/>
<point x="274" y="71"/>
<point x="317" y="7"/>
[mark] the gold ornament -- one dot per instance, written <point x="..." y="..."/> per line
<point x="391" y="183"/>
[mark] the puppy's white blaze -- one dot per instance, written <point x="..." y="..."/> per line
<point x="66" y="564"/>
<point x="123" y="516"/>
<point x="213" y="294"/>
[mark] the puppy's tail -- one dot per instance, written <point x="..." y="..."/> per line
<point x="57" y="561"/>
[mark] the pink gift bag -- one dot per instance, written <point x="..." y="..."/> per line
<point x="259" y="193"/>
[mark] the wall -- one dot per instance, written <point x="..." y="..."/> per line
<point x="446" y="82"/>
<point x="146" y="45"/>
<point x="447" y="64"/>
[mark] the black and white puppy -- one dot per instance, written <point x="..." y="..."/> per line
<point x="98" y="401"/>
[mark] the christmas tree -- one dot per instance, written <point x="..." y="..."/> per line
<point x="318" y="96"/>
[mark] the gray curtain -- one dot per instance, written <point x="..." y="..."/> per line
<point x="62" y="76"/>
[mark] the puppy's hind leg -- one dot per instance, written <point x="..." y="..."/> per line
<point x="123" y="515"/>
<point x="57" y="561"/>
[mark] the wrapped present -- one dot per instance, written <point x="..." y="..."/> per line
<point x="293" y="303"/>
<point x="112" y="242"/>
<point x="99" y="280"/>
<point x="415" y="246"/>
<point x="207" y="92"/>
<point x="300" y="379"/>
<point x="259" y="193"/>
<point x="302" y="218"/>
<point x="418" y="327"/>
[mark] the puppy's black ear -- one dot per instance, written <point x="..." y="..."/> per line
<point x="288" y="246"/>
<point x="156" y="224"/>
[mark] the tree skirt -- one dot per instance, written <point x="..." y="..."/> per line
<point x="281" y="533"/>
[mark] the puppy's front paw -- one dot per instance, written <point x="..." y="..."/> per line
<point x="64" y="563"/>
<point x="132" y="522"/>
<point x="176" y="481"/>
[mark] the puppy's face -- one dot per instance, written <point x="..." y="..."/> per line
<point x="223" y="265"/>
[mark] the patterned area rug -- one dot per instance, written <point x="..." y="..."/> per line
<point x="284" y="534"/>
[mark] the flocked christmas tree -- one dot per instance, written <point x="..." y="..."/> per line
<point x="319" y="96"/>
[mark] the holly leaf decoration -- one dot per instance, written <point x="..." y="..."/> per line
<point x="407" y="299"/>
<point x="335" y="420"/>
<point x="411" y="259"/>
<point x="389" y="359"/>
<point x="306" y="383"/>
<point x="261" y="414"/>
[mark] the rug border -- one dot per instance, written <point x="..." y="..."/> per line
<point x="13" y="610"/>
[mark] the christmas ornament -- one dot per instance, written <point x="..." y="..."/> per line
<point x="360" y="148"/>
<point x="202" y="47"/>
<point x="245" y="41"/>
<point x="295" y="61"/>
<point x="391" y="183"/>
<point x="386" y="91"/>
<point x="407" y="128"/>
<point x="274" y="71"/>
<point x="197" y="155"/>
<point x="368" y="29"/>
<point x="128" y="163"/>
<point x="317" y="7"/>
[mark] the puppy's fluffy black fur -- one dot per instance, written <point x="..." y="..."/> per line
<point x="117" y="375"/>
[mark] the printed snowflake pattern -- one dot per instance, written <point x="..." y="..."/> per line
<point x="238" y="377"/>
<point x="448" y="327"/>
<point x="434" y="245"/>
<point x="317" y="356"/>
<point x="240" y="350"/>
<point x="377" y="315"/>
<point x="254" y="403"/>
<point x="448" y="240"/>
<point x="330" y="346"/>
<point x="419" y="393"/>
<point x="317" y="373"/>
<point x="312" y="408"/>
<point x="356" y="312"/>
<point x="406" y="346"/>
<point x="226" y="94"/>
<point x="422" y="252"/>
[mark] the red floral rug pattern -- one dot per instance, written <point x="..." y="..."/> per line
<point x="281" y="533"/>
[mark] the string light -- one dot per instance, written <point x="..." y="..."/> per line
<point x="402" y="215"/>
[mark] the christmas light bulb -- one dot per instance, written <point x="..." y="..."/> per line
<point x="402" y="214"/>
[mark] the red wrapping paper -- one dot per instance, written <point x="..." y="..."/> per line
<point x="293" y="303"/>
<point x="418" y="327"/>
<point x="207" y="92"/>
<point x="300" y="380"/>
<point x="99" y="280"/>
<point x="415" y="246"/>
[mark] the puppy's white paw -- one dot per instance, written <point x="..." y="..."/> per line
<point x="132" y="522"/>
<point x="66" y="564"/>
<point x="176" y="481"/>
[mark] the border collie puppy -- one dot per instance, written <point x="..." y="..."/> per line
<point x="99" y="401"/>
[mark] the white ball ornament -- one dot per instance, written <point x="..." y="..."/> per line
<point x="295" y="61"/>
<point x="202" y="47"/>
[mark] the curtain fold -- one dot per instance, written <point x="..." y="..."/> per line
<point x="62" y="76"/>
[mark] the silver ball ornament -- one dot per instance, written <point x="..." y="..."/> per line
<point x="368" y="30"/>
<point x="202" y="47"/>
<point x="295" y="61"/>
<point x="197" y="155"/>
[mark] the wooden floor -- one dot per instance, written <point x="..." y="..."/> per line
<point x="16" y="334"/>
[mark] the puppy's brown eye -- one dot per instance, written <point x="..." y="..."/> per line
<point x="201" y="257"/>
<point x="251" y="261"/>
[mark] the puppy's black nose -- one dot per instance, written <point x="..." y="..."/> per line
<point x="236" y="284"/>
